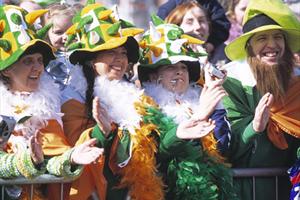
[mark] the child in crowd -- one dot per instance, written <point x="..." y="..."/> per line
<point x="60" y="17"/>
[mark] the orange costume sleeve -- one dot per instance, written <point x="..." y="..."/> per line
<point x="77" y="128"/>
<point x="54" y="141"/>
<point x="75" y="120"/>
<point x="285" y="117"/>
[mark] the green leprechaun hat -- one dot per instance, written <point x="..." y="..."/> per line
<point x="165" y="44"/>
<point x="97" y="28"/>
<point x="18" y="35"/>
<point x="262" y="15"/>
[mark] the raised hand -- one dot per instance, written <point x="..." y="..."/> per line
<point x="101" y="116"/>
<point x="193" y="128"/>
<point x="262" y="112"/>
<point x="86" y="153"/>
<point x="35" y="147"/>
<point x="210" y="96"/>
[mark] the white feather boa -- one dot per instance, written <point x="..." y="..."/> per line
<point x="41" y="105"/>
<point x="118" y="98"/>
<point x="169" y="101"/>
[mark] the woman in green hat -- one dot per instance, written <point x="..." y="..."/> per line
<point x="128" y="124"/>
<point x="263" y="89"/>
<point x="169" y="71"/>
<point x="25" y="97"/>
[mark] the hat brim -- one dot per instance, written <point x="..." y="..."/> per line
<point x="236" y="49"/>
<point x="35" y="45"/>
<point x="145" y="70"/>
<point x="131" y="45"/>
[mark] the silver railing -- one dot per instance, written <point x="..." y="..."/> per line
<point x="254" y="173"/>
<point x="43" y="179"/>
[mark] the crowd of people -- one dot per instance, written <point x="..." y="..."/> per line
<point x="161" y="113"/>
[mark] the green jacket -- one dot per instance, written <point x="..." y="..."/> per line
<point x="249" y="149"/>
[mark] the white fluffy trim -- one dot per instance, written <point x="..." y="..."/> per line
<point x="177" y="106"/>
<point x="118" y="98"/>
<point x="42" y="105"/>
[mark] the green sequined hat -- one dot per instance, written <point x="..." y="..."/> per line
<point x="97" y="28"/>
<point x="165" y="44"/>
<point x="18" y="35"/>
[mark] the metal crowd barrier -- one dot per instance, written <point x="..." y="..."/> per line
<point x="42" y="179"/>
<point x="237" y="173"/>
<point x="260" y="172"/>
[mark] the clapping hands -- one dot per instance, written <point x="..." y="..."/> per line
<point x="101" y="116"/>
<point x="86" y="153"/>
<point x="35" y="147"/>
<point x="194" y="128"/>
<point x="262" y="112"/>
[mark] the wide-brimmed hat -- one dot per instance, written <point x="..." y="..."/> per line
<point x="98" y="28"/>
<point x="262" y="15"/>
<point x="165" y="44"/>
<point x="18" y="35"/>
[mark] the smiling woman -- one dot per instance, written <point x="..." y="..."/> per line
<point x="24" y="75"/>
<point x="25" y="97"/>
<point x="112" y="63"/>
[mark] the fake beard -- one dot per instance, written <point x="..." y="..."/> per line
<point x="271" y="78"/>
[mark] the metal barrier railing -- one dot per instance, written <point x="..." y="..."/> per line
<point x="42" y="179"/>
<point x="237" y="173"/>
<point x="260" y="172"/>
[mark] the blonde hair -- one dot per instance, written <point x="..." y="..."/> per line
<point x="58" y="10"/>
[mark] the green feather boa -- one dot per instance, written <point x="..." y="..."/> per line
<point x="192" y="174"/>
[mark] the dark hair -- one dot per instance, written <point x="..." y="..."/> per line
<point x="4" y="79"/>
<point x="89" y="75"/>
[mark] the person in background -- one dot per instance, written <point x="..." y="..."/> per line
<point x="235" y="14"/>
<point x="169" y="77"/>
<point x="219" y="22"/>
<point x="59" y="18"/>
<point x="25" y="97"/>
<point x="263" y="89"/>
<point x="196" y="22"/>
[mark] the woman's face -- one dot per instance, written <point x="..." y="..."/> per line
<point x="24" y="75"/>
<point x="239" y="10"/>
<point x="195" y="23"/>
<point x="112" y="63"/>
<point x="268" y="46"/>
<point x="174" y="77"/>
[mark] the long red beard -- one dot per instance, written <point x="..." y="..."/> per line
<point x="271" y="78"/>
